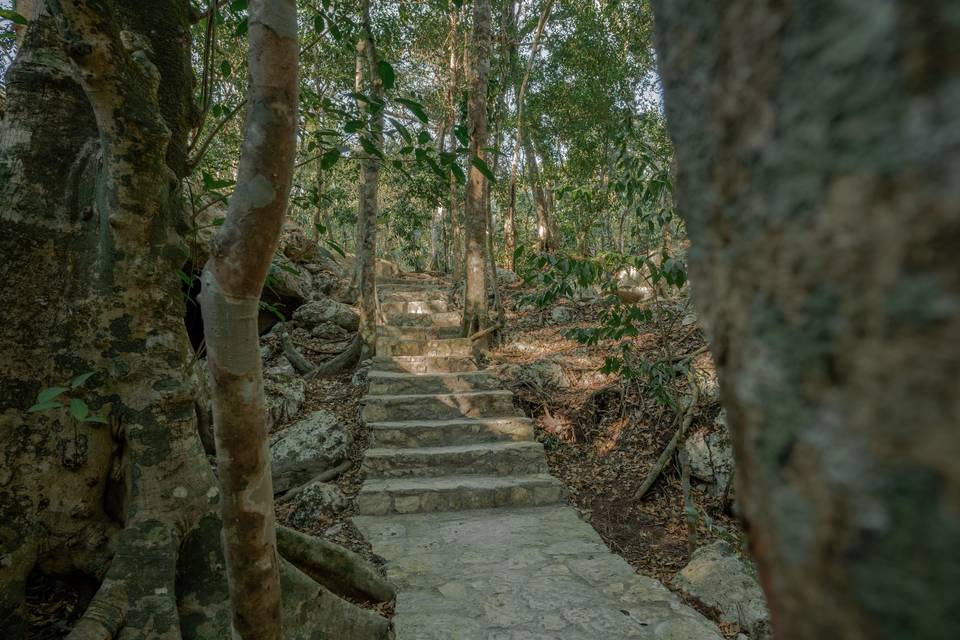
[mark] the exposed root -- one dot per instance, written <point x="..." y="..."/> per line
<point x="136" y="598"/>
<point x="342" y="362"/>
<point x="326" y="476"/>
<point x="341" y="571"/>
<point x="300" y="363"/>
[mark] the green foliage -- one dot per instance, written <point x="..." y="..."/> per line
<point x="54" y="398"/>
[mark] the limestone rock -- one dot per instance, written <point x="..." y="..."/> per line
<point x="314" y="501"/>
<point x="314" y="313"/>
<point x="710" y="456"/>
<point x="562" y="314"/>
<point x="313" y="445"/>
<point x="540" y="374"/>
<point x="287" y="284"/>
<point x="285" y="394"/>
<point x="507" y="276"/>
<point x="718" y="578"/>
<point x="360" y="377"/>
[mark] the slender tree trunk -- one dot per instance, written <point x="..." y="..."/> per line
<point x="544" y="226"/>
<point x="510" y="225"/>
<point x="369" y="191"/>
<point x="476" y="312"/>
<point x="232" y="283"/>
<point x="824" y="227"/>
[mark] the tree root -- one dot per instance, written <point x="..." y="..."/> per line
<point x="338" y="569"/>
<point x="326" y="476"/>
<point x="299" y="362"/>
<point x="136" y="598"/>
<point x="342" y="362"/>
<point x="673" y="444"/>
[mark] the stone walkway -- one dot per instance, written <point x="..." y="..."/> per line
<point x="459" y="501"/>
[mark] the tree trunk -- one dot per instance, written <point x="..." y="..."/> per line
<point x="817" y="176"/>
<point x="232" y="283"/>
<point x="476" y="312"/>
<point x="544" y="226"/>
<point x="92" y="225"/>
<point x="510" y="225"/>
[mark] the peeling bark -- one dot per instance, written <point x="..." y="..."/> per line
<point x="818" y="178"/>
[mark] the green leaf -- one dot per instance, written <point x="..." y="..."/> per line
<point x="423" y="137"/>
<point x="44" y="406"/>
<point x="402" y="130"/>
<point x="415" y="108"/>
<point x="238" y="5"/>
<point x="13" y="17"/>
<point x="369" y="147"/>
<point x="483" y="168"/>
<point x="387" y="75"/>
<point x="462" y="134"/>
<point x="226" y="69"/>
<point x="46" y="395"/>
<point x="329" y="159"/>
<point x="82" y="378"/>
<point x="458" y="172"/>
<point x="336" y="247"/>
<point x="78" y="409"/>
<point x="96" y="418"/>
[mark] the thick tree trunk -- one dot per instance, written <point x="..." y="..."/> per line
<point x="92" y="227"/>
<point x="232" y="283"/>
<point x="476" y="312"/>
<point x="818" y="177"/>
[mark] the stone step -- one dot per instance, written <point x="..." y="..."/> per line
<point x="487" y="458"/>
<point x="415" y="306"/>
<point x="457" y="347"/>
<point x="412" y="295"/>
<point x="413" y="281"/>
<point x="423" y="364"/>
<point x="390" y="383"/>
<point x="420" y="333"/>
<point x="445" y="319"/>
<point x="438" y="406"/>
<point x="455" y="493"/>
<point x="454" y="431"/>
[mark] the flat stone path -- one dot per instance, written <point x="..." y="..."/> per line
<point x="459" y="501"/>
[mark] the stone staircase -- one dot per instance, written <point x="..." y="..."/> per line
<point x="445" y="436"/>
<point x="459" y="501"/>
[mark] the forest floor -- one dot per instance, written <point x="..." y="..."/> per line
<point x="603" y="434"/>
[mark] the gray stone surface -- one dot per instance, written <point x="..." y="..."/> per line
<point x="459" y="501"/>
<point x="285" y="393"/>
<point x="536" y="573"/>
<point x="314" y="501"/>
<point x="710" y="455"/>
<point x="327" y="310"/>
<point x="307" y="448"/>
<point x="561" y="314"/>
<point x="718" y="578"/>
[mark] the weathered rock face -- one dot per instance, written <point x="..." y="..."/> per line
<point x="309" y="447"/>
<point x="540" y="374"/>
<point x="316" y="500"/>
<point x="718" y="578"/>
<point x="326" y="310"/>
<point x="562" y="314"/>
<point x="285" y="394"/>
<point x="506" y="276"/>
<point x="710" y="456"/>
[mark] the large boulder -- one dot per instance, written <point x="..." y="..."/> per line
<point x="315" y="501"/>
<point x="718" y="578"/>
<point x="299" y="453"/>
<point x="325" y="310"/>
<point x="710" y="456"/>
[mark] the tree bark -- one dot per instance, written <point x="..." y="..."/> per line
<point x="91" y="153"/>
<point x="817" y="177"/>
<point x="545" y="233"/>
<point x="476" y="312"/>
<point x="510" y="224"/>
<point x="232" y="283"/>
